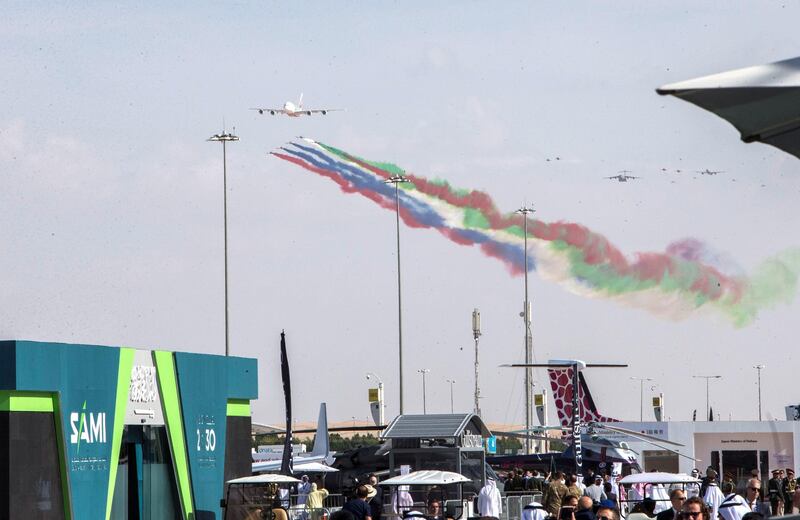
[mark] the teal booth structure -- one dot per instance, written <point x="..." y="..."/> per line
<point x="91" y="432"/>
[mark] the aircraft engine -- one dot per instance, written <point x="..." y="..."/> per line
<point x="324" y="112"/>
<point x="308" y="112"/>
<point x="272" y="112"/>
<point x="260" y="111"/>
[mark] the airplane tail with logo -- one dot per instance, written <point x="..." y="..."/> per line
<point x="322" y="443"/>
<point x="300" y="101"/>
<point x="561" y="385"/>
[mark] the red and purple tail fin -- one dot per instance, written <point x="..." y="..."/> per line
<point x="561" y="385"/>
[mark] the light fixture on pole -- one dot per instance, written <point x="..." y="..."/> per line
<point x="424" y="371"/>
<point x="476" y="333"/>
<point x="641" y="394"/>
<point x="526" y="316"/>
<point x="396" y="180"/>
<point x="224" y="138"/>
<point x="759" y="368"/>
<point x="707" y="378"/>
<point x="452" y="382"/>
<point x="381" y="404"/>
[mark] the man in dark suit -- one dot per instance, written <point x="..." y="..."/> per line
<point x="677" y="497"/>
<point x="752" y="497"/>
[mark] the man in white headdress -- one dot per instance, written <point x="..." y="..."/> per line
<point x="401" y="500"/>
<point x="713" y="497"/>
<point x="489" y="500"/>
<point x="733" y="507"/>
<point x="534" y="511"/>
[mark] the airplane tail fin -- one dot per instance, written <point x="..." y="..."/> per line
<point x="561" y="385"/>
<point x="321" y="441"/>
<point x="300" y="101"/>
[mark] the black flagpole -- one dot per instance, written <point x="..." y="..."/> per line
<point x="286" y="462"/>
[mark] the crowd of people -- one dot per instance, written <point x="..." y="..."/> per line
<point x="594" y="497"/>
<point x="573" y="497"/>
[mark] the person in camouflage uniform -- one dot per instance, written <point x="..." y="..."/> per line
<point x="554" y="494"/>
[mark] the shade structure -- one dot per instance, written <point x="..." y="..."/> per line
<point x="762" y="102"/>
<point x="659" y="478"/>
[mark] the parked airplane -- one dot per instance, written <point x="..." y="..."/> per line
<point x="319" y="453"/>
<point x="295" y="110"/>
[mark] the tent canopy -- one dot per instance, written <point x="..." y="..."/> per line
<point x="762" y="102"/>
<point x="659" y="478"/>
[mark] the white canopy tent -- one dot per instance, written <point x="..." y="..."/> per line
<point x="762" y="102"/>
<point x="659" y="478"/>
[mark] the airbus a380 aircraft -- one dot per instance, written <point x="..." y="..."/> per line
<point x="292" y="110"/>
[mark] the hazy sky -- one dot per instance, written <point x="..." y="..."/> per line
<point x="111" y="199"/>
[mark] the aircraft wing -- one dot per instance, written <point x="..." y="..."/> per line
<point x="266" y="466"/>
<point x="322" y="111"/>
<point x="261" y="110"/>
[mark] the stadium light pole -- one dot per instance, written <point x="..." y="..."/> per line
<point x="452" y="382"/>
<point x="707" y="378"/>
<point x="759" y="368"/>
<point x="526" y="316"/>
<point x="396" y="180"/>
<point x="641" y="394"/>
<point x="424" y="371"/>
<point x="224" y="138"/>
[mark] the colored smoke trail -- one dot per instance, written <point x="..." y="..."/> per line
<point x="674" y="283"/>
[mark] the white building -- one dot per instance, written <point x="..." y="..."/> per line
<point x="731" y="447"/>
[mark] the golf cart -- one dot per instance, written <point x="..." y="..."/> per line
<point x="252" y="498"/>
<point x="416" y="490"/>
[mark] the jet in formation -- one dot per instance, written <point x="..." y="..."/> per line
<point x="709" y="172"/>
<point x="622" y="176"/>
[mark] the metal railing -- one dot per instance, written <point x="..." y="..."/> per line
<point x="514" y="503"/>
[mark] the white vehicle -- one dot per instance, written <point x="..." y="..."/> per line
<point x="295" y="110"/>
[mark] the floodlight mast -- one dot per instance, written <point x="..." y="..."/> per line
<point x="576" y="366"/>
<point x="224" y="138"/>
<point x="396" y="180"/>
<point x="526" y="316"/>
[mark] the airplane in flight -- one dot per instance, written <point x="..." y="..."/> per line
<point x="709" y="172"/>
<point x="622" y="176"/>
<point x="319" y="453"/>
<point x="295" y="110"/>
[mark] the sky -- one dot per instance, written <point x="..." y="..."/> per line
<point x="111" y="199"/>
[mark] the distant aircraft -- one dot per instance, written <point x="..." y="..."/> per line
<point x="622" y="177"/>
<point x="709" y="172"/>
<point x="292" y="110"/>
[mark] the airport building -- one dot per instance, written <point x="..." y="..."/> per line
<point x="92" y="432"/>
<point x="731" y="447"/>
